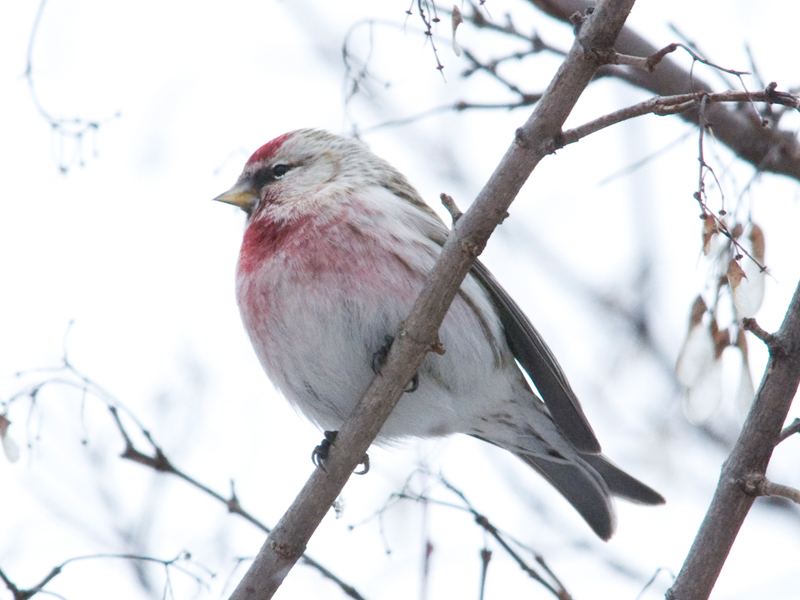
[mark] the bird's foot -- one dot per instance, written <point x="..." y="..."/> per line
<point x="379" y="359"/>
<point x="321" y="453"/>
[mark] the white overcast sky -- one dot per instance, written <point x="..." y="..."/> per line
<point x="129" y="247"/>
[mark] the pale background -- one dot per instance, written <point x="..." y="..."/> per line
<point x="127" y="244"/>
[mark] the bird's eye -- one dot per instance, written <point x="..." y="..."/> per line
<point x="266" y="175"/>
<point x="280" y="170"/>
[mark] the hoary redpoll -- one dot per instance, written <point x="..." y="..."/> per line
<point x="336" y="248"/>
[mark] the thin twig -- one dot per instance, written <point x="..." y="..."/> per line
<point x="697" y="58"/>
<point x="628" y="169"/>
<point x="751" y="325"/>
<point x="756" y="484"/>
<point x="477" y="19"/>
<point x="669" y="105"/>
<point x="451" y="206"/>
<point x="57" y="570"/>
<point x="459" y="106"/>
<point x="428" y="22"/>
<point x="645" y="63"/>
<point x="652" y="580"/>
<point x="557" y="588"/>
<point x="486" y="557"/>
<point x="790" y="430"/>
<point x="490" y="69"/>
<point x="75" y="128"/>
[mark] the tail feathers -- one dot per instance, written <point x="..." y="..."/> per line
<point x="583" y="487"/>
<point x="621" y="484"/>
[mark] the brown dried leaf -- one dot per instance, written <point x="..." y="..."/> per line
<point x="758" y="243"/>
<point x="710" y="227"/>
<point x="735" y="274"/>
<point x="722" y="339"/>
<point x="747" y="288"/>
<point x="457" y="20"/>
<point x="699" y="308"/>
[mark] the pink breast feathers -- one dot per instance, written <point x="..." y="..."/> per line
<point x="264" y="237"/>
<point x="324" y="256"/>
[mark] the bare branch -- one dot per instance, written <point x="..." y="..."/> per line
<point x="753" y="327"/>
<point x="172" y="563"/>
<point x="451" y="206"/>
<point x="670" y="105"/>
<point x="428" y="21"/>
<point x="757" y="484"/>
<point x="790" y="430"/>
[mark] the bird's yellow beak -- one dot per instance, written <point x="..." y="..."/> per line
<point x="242" y="196"/>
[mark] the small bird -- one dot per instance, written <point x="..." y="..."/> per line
<point x="336" y="249"/>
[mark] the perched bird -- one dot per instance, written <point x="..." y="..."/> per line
<point x="336" y="248"/>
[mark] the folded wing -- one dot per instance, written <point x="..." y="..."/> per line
<point x="538" y="361"/>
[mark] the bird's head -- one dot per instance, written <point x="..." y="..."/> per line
<point x="304" y="171"/>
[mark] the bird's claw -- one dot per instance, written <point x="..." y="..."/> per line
<point x="321" y="453"/>
<point x="413" y="384"/>
<point x="379" y="359"/>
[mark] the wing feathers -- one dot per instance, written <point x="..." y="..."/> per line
<point x="621" y="484"/>
<point x="539" y="362"/>
<point x="582" y="487"/>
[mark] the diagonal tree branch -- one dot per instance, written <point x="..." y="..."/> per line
<point x="534" y="140"/>
<point x="735" y="493"/>
<point x="742" y="131"/>
<point x="670" y="105"/>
